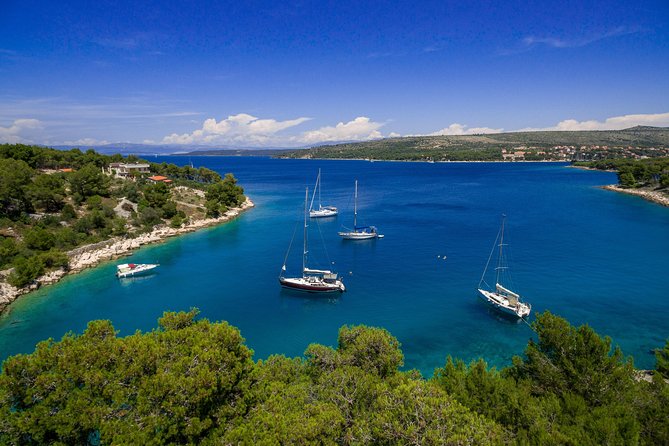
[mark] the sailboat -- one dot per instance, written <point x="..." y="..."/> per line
<point x="322" y="211"/>
<point x="359" y="232"/>
<point x="501" y="297"/>
<point x="312" y="280"/>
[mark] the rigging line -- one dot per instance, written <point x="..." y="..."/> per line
<point x="325" y="248"/>
<point x="528" y="324"/>
<point x="489" y="257"/>
<point x="289" y="246"/>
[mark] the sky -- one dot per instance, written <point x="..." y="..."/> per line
<point x="293" y="74"/>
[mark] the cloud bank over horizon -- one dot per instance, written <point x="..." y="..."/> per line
<point x="245" y="130"/>
<point x="612" y="123"/>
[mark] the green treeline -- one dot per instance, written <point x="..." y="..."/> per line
<point x="649" y="172"/>
<point x="52" y="201"/>
<point x="534" y="146"/>
<point x="194" y="382"/>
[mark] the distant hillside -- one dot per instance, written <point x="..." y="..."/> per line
<point x="238" y="152"/>
<point x="550" y="145"/>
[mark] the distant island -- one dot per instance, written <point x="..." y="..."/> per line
<point x="634" y="142"/>
<point x="64" y="211"/>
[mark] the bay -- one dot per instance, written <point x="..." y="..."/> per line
<point x="589" y="255"/>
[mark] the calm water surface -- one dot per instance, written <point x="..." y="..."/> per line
<point x="589" y="255"/>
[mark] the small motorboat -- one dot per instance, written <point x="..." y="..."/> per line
<point x="134" y="269"/>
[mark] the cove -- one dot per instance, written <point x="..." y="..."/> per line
<point x="586" y="254"/>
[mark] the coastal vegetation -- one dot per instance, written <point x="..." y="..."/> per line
<point x="191" y="381"/>
<point x="52" y="201"/>
<point x="515" y="146"/>
<point x="645" y="173"/>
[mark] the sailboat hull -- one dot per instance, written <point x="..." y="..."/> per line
<point x="323" y="213"/>
<point x="501" y="303"/>
<point x="358" y="235"/>
<point x="312" y="286"/>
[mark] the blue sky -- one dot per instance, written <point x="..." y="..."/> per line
<point x="272" y="74"/>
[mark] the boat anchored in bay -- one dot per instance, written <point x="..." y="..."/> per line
<point x="312" y="280"/>
<point x="322" y="211"/>
<point x="500" y="297"/>
<point x="359" y="232"/>
<point x="134" y="269"/>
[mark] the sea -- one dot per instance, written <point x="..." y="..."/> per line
<point x="589" y="255"/>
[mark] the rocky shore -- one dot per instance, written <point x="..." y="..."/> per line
<point x="91" y="255"/>
<point x="650" y="195"/>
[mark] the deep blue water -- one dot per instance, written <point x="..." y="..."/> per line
<point x="589" y="255"/>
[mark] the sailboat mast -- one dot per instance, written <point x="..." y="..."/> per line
<point x="501" y="247"/>
<point x="318" y="179"/>
<point x="304" y="253"/>
<point x="355" y="206"/>
<point x="318" y="183"/>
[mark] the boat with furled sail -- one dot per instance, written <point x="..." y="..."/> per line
<point x="312" y="280"/>
<point x="359" y="232"/>
<point x="322" y="211"/>
<point x="501" y="297"/>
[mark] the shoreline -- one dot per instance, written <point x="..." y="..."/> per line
<point x="591" y="168"/>
<point x="649" y="195"/>
<point x="374" y="160"/>
<point x="89" y="256"/>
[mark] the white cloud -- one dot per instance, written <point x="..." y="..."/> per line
<point x="86" y="142"/>
<point x="613" y="123"/>
<point x="460" y="129"/>
<point x="394" y="135"/>
<point x="236" y="129"/>
<point x="16" y="133"/>
<point x="556" y="42"/>
<point x="359" y="129"/>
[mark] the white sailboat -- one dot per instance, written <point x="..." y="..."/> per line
<point x="359" y="232"/>
<point x="322" y="211"/>
<point x="501" y="297"/>
<point x="312" y="280"/>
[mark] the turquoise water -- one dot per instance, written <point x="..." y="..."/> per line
<point x="589" y="255"/>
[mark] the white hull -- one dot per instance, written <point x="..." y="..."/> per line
<point x="358" y="235"/>
<point x="132" y="269"/>
<point x="323" y="212"/>
<point x="502" y="303"/>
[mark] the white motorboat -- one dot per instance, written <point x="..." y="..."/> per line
<point x="134" y="269"/>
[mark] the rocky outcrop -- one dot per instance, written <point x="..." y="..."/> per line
<point x="650" y="195"/>
<point x="91" y="255"/>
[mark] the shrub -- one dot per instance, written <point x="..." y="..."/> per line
<point x="55" y="259"/>
<point x="39" y="239"/>
<point x="25" y="271"/>
<point x="8" y="249"/>
<point x="68" y="213"/>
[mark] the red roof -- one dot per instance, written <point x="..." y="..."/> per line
<point x="157" y="178"/>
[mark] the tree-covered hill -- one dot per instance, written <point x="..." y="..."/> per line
<point x="194" y="382"/>
<point x="52" y="201"/>
<point x="540" y="145"/>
